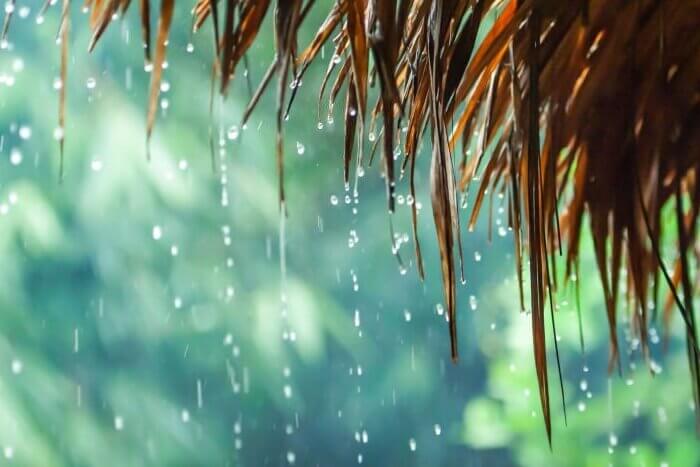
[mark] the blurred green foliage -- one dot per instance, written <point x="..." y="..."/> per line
<point x="145" y="320"/>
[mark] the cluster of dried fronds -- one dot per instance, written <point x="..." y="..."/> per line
<point x="569" y="109"/>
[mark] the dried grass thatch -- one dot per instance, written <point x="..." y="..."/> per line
<point x="573" y="110"/>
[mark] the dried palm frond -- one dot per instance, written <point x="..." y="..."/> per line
<point x="569" y="109"/>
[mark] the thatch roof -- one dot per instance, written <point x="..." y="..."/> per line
<point x="578" y="112"/>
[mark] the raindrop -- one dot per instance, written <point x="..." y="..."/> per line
<point x="15" y="156"/>
<point x="58" y="133"/>
<point x="334" y="200"/>
<point x="96" y="165"/>
<point x="291" y="457"/>
<point x="8" y="452"/>
<point x="583" y="385"/>
<point x="233" y="133"/>
<point x="477" y="256"/>
<point x="300" y="148"/>
<point x="190" y="47"/>
<point x="412" y="444"/>
<point x="287" y="391"/>
<point x="407" y="315"/>
<point x="472" y="302"/>
<point x="185" y="416"/>
<point x="157" y="232"/>
<point x="91" y="83"/>
<point x="118" y="423"/>
<point x="438" y="429"/>
<point x="16" y="366"/>
<point x="440" y="310"/>
<point x="25" y="132"/>
<point x="581" y="406"/>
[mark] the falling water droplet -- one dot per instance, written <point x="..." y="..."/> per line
<point x="58" y="133"/>
<point x="291" y="457"/>
<point x="15" y="156"/>
<point x="157" y="232"/>
<point x="25" y="132"/>
<point x="233" y="133"/>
